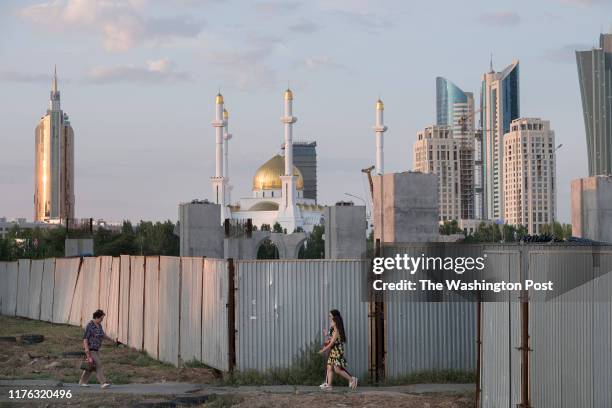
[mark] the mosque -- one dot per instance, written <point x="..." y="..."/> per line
<point x="278" y="186"/>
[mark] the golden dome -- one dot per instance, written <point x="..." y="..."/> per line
<point x="225" y="114"/>
<point x="219" y="99"/>
<point x="288" y="95"/>
<point x="267" y="177"/>
<point x="380" y="105"/>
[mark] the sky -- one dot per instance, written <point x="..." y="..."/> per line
<point x="138" y="79"/>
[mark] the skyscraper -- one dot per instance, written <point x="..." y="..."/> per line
<point x="455" y="109"/>
<point x="595" y="78"/>
<point x="54" y="163"/>
<point x="499" y="103"/>
<point x="530" y="191"/>
<point x="305" y="159"/>
<point x="437" y="152"/>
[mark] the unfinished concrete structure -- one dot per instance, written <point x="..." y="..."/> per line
<point x="406" y="207"/>
<point x="288" y="245"/>
<point x="592" y="208"/>
<point x="199" y="229"/>
<point x="345" y="232"/>
<point x="201" y="235"/>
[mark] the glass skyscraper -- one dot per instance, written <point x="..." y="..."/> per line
<point x="54" y="163"/>
<point x="499" y="103"/>
<point x="595" y="78"/>
<point x="455" y="109"/>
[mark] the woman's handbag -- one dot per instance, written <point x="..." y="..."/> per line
<point x="88" y="364"/>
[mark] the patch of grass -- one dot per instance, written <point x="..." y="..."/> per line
<point x="223" y="401"/>
<point x="196" y="364"/>
<point x="119" y="378"/>
<point x="121" y="364"/>
<point x="434" y="377"/>
<point x="308" y="368"/>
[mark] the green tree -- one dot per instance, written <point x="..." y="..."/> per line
<point x="450" y="227"/>
<point x="314" y="246"/>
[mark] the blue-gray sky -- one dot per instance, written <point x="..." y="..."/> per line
<point x="138" y="79"/>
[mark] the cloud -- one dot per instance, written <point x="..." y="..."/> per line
<point x="276" y="7"/>
<point x="317" y="62"/>
<point x="370" y="22"/>
<point x="565" y="54"/>
<point x="245" y="69"/>
<point x="121" y="24"/>
<point x="500" y="18"/>
<point x="586" y="3"/>
<point x="157" y="71"/>
<point x="25" y="77"/>
<point x="304" y="27"/>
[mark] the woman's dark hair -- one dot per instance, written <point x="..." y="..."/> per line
<point x="339" y="324"/>
<point x="98" y="314"/>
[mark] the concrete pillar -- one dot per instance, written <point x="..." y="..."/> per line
<point x="345" y="232"/>
<point x="406" y="207"/>
<point x="200" y="231"/>
<point x="592" y="208"/>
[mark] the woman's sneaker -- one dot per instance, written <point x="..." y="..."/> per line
<point x="353" y="383"/>
<point x="83" y="384"/>
<point x="325" y="386"/>
<point x="105" y="386"/>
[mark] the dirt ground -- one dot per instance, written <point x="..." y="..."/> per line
<point x="267" y="400"/>
<point x="324" y="400"/>
<point x="123" y="366"/>
<point x="45" y="361"/>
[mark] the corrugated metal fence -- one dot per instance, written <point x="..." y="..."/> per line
<point x="570" y="330"/>
<point x="177" y="310"/>
<point x="282" y="308"/>
<point x="174" y="309"/>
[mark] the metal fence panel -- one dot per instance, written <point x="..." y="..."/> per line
<point x="46" y="294"/>
<point x="106" y="264"/>
<point x="169" y="308"/>
<point x="191" y="308"/>
<point x="428" y="336"/>
<point x="23" y="287"/>
<point x="152" y="306"/>
<point x="34" y="292"/>
<point x="8" y="287"/>
<point x="282" y="308"/>
<point x="500" y="361"/>
<point x="89" y="287"/>
<point x="136" y="299"/>
<point x="214" y="314"/>
<point x="112" y="305"/>
<point x="66" y="274"/>
<point x="124" y="299"/>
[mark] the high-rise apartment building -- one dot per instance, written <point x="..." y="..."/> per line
<point x="595" y="78"/>
<point x="499" y="102"/>
<point x="530" y="191"/>
<point x="305" y="159"/>
<point x="436" y="151"/>
<point x="54" y="163"/>
<point x="455" y="109"/>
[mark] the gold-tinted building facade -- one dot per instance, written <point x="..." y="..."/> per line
<point x="54" y="164"/>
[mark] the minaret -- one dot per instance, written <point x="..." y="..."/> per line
<point x="226" y="138"/>
<point x="218" y="181"/>
<point x="379" y="128"/>
<point x="288" y="213"/>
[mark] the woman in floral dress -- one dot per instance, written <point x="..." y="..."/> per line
<point x="335" y="345"/>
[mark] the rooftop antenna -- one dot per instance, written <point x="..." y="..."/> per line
<point x="491" y="64"/>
